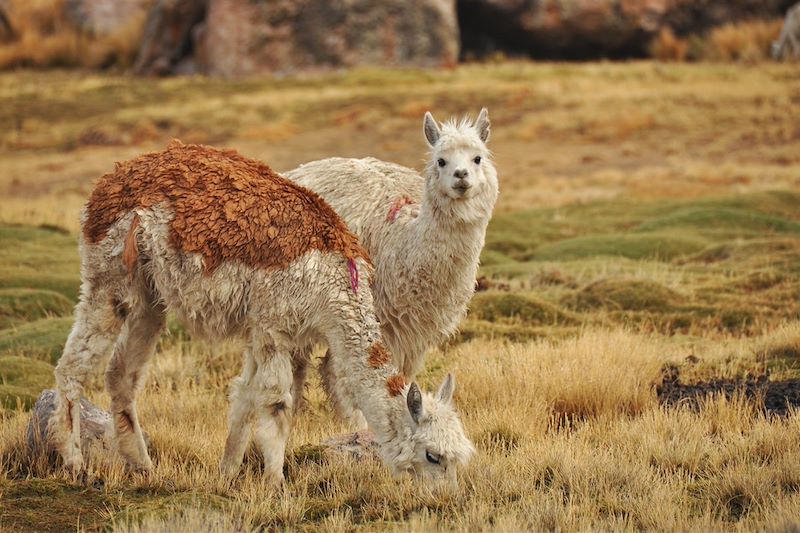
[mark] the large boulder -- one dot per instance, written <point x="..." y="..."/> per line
<point x="242" y="38"/>
<point x="585" y="29"/>
<point x="6" y="31"/>
<point x="103" y="17"/>
<point x="170" y="37"/>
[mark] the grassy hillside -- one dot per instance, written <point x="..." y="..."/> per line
<point x="625" y="365"/>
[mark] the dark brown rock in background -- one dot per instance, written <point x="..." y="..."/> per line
<point x="249" y="37"/>
<point x="6" y="31"/>
<point x="169" y="38"/>
<point x="590" y="29"/>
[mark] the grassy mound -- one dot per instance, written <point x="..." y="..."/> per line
<point x="495" y="306"/>
<point x="25" y="305"/>
<point x="625" y="294"/>
<point x="22" y="380"/>
<point x="39" y="258"/>
<point x="43" y="339"/>
<point x="726" y="221"/>
<point x="633" y="246"/>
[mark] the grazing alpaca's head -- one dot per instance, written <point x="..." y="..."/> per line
<point x="461" y="179"/>
<point x="439" y="442"/>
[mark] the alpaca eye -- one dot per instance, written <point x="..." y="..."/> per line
<point x="432" y="458"/>
<point x="441" y="162"/>
<point x="477" y="160"/>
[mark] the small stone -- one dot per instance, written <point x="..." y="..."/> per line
<point x="96" y="436"/>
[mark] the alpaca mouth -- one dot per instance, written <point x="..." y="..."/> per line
<point x="461" y="189"/>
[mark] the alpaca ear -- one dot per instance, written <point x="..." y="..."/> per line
<point x="414" y="402"/>
<point x="447" y="388"/>
<point x="431" y="129"/>
<point x="482" y="125"/>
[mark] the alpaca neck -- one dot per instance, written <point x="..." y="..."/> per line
<point x="448" y="234"/>
<point x="377" y="390"/>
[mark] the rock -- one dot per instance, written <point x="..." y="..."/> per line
<point x="96" y="436"/>
<point x="103" y="17"/>
<point x="168" y="41"/>
<point x="585" y="29"/>
<point x="6" y="31"/>
<point x="242" y="38"/>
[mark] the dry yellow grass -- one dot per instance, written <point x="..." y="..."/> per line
<point x="743" y="41"/>
<point x="619" y="462"/>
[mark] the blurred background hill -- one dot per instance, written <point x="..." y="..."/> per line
<point x="230" y="38"/>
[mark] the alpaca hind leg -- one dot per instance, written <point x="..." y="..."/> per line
<point x="273" y="408"/>
<point x="300" y="360"/>
<point x="98" y="320"/>
<point x="342" y="405"/>
<point x="239" y="418"/>
<point x="126" y="373"/>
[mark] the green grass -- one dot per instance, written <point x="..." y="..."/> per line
<point x="627" y="295"/>
<point x="23" y="305"/>
<point x="39" y="258"/>
<point x="516" y="307"/>
<point x="42" y="339"/>
<point x="663" y="247"/>
<point x="22" y="380"/>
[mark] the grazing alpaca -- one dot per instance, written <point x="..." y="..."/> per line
<point x="237" y="251"/>
<point x="788" y="44"/>
<point x="423" y="233"/>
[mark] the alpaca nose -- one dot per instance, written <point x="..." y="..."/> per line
<point x="461" y="173"/>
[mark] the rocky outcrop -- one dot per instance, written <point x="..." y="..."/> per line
<point x="6" y="31"/>
<point x="586" y="29"/>
<point x="283" y="36"/>
<point x="102" y="17"/>
<point x="171" y="35"/>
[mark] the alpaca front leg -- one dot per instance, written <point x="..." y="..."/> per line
<point x="92" y="337"/>
<point x="239" y="420"/>
<point x="126" y="374"/>
<point x="274" y="409"/>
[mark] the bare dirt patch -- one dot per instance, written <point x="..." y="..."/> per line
<point x="771" y="397"/>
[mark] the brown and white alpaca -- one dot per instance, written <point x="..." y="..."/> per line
<point x="424" y="233"/>
<point x="234" y="250"/>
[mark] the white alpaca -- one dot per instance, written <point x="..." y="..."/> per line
<point x="237" y="251"/>
<point x="424" y="233"/>
<point x="788" y="44"/>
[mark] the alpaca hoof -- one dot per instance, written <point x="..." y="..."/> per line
<point x="141" y="467"/>
<point x="228" y="472"/>
<point x="74" y="465"/>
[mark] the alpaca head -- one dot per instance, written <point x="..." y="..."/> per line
<point x="438" y="445"/>
<point x="461" y="178"/>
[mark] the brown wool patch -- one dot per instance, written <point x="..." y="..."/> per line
<point x="69" y="414"/>
<point x="125" y="422"/>
<point x="395" y="384"/>
<point x="130" y="252"/>
<point x="226" y="207"/>
<point x="378" y="355"/>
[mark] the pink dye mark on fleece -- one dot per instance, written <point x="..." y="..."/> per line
<point x="351" y="264"/>
<point x="397" y="206"/>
